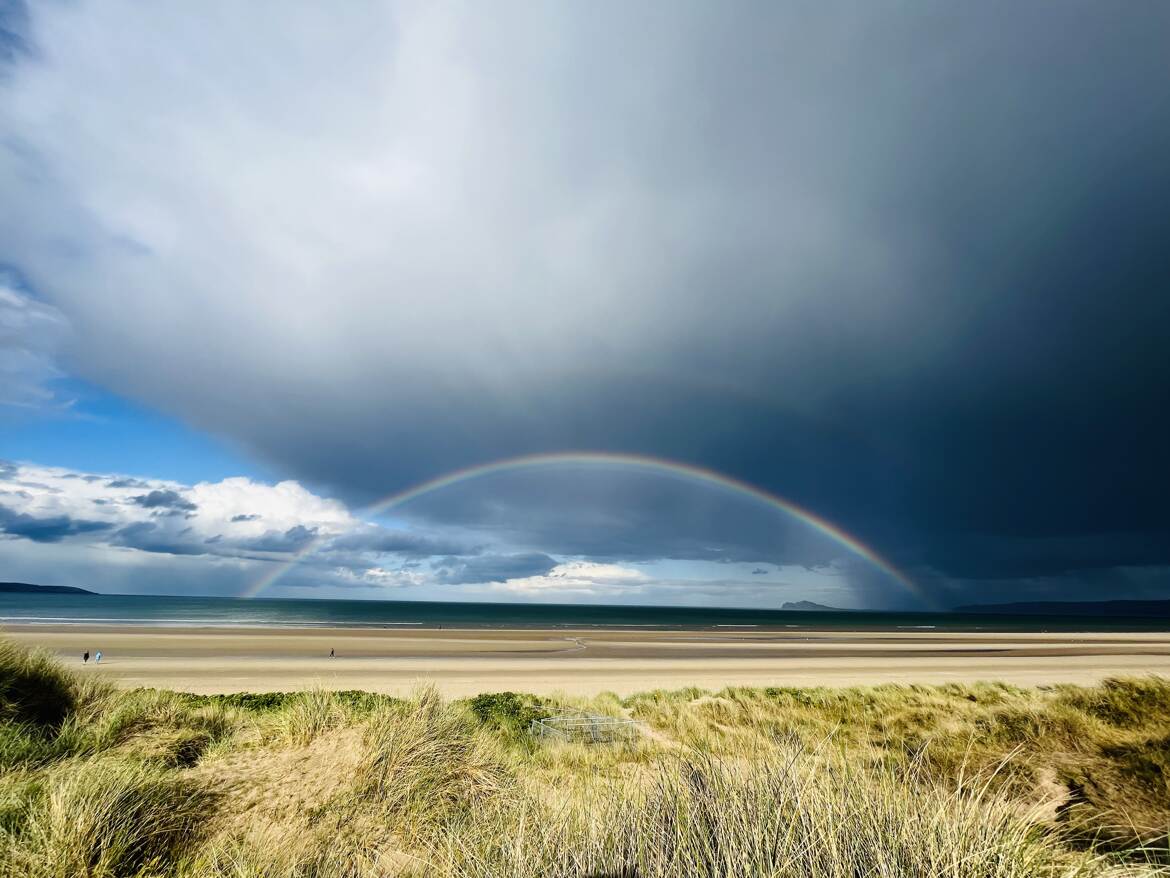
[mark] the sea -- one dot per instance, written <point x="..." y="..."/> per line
<point x="220" y="612"/>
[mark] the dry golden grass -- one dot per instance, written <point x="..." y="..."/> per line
<point x="982" y="781"/>
<point x="1100" y="754"/>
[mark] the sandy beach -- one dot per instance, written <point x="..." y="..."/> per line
<point x="463" y="662"/>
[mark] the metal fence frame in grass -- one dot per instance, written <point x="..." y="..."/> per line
<point x="593" y="728"/>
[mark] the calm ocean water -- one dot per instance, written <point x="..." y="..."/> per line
<point x="206" y="611"/>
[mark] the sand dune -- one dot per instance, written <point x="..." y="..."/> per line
<point x="463" y="662"/>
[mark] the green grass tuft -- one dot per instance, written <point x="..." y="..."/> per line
<point x="954" y="781"/>
<point x="507" y="713"/>
<point x="35" y="689"/>
<point x="103" y="819"/>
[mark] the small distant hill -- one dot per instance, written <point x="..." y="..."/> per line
<point x="810" y="607"/>
<point x="29" y="588"/>
<point x="1072" y="608"/>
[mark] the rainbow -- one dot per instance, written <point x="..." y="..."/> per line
<point x="698" y="474"/>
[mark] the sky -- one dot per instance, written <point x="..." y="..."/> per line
<point x="865" y="304"/>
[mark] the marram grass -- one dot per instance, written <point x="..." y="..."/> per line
<point x="980" y="781"/>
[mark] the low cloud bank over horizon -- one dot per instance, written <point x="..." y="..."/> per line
<point x="905" y="267"/>
<point x="136" y="535"/>
<point x="104" y="515"/>
<point x="239" y="532"/>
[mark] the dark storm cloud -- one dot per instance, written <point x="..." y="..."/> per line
<point x="150" y="536"/>
<point x="905" y="266"/>
<point x="13" y="30"/>
<point x="292" y="540"/>
<point x="146" y="536"/>
<point x="1134" y="582"/>
<point x="1019" y="388"/>
<point x="127" y="483"/>
<point x="991" y="558"/>
<point x="382" y="540"/>
<point x="46" y="529"/>
<point x="165" y="499"/>
<point x="492" y="568"/>
<point x="615" y="515"/>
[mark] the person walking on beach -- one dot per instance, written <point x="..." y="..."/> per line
<point x="332" y="654"/>
<point x="97" y="657"/>
<point x="85" y="657"/>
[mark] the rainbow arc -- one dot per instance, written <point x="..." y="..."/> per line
<point x="639" y="462"/>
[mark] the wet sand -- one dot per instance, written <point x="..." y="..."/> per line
<point x="464" y="662"/>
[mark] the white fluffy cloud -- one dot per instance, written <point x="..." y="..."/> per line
<point x="242" y="521"/>
<point x="129" y="534"/>
<point x="234" y="517"/>
<point x="239" y="518"/>
<point x="236" y="532"/>
<point x="578" y="578"/>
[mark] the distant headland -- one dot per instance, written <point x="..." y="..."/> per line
<point x="29" y="588"/>
<point x="809" y="607"/>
